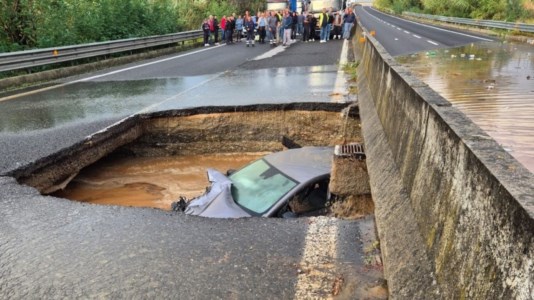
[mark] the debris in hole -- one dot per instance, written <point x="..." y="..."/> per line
<point x="289" y="143"/>
<point x="179" y="205"/>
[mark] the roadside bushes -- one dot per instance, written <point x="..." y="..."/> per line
<point x="28" y="24"/>
<point x="503" y="10"/>
<point x="50" y="23"/>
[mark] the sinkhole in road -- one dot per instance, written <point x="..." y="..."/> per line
<point x="150" y="160"/>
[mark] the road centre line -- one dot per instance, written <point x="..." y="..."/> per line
<point x="432" y="42"/>
<point x="103" y="75"/>
<point x="405" y="31"/>
<point x="416" y="36"/>
<point x="433" y="27"/>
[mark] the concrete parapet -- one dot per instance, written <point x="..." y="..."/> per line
<point x="472" y="203"/>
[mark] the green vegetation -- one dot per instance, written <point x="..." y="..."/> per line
<point x="504" y="10"/>
<point x="28" y="24"/>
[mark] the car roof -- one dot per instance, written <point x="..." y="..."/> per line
<point x="303" y="164"/>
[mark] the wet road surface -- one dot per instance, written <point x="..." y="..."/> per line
<point x="57" y="248"/>
<point x="492" y="83"/>
<point x="39" y="123"/>
<point x="400" y="36"/>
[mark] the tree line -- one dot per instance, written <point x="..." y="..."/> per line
<point x="503" y="10"/>
<point x="29" y="24"/>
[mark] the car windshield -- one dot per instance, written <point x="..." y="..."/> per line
<point x="259" y="186"/>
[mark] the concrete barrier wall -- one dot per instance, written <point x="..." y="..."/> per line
<point x="473" y="204"/>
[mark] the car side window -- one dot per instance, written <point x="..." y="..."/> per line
<point x="312" y="198"/>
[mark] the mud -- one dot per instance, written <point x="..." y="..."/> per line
<point x="149" y="181"/>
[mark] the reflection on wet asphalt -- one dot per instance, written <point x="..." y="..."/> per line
<point x="492" y="83"/>
<point x="92" y="101"/>
<point x="87" y="101"/>
<point x="245" y="87"/>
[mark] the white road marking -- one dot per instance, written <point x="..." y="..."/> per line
<point x="340" y="85"/>
<point x="406" y="32"/>
<point x="103" y="75"/>
<point x="271" y="53"/>
<point x="433" y="27"/>
<point x="416" y="36"/>
<point x="317" y="270"/>
<point x="432" y="42"/>
<point x="144" y="65"/>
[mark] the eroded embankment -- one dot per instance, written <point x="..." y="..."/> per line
<point x="454" y="211"/>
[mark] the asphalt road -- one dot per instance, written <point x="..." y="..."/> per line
<point x="400" y="36"/>
<point x="56" y="248"/>
<point x="40" y="122"/>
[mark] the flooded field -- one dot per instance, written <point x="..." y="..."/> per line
<point x="492" y="83"/>
<point x="149" y="181"/>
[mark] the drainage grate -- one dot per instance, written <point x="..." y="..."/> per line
<point x="350" y="150"/>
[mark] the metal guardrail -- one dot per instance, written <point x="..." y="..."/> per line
<point x="522" y="27"/>
<point x="33" y="58"/>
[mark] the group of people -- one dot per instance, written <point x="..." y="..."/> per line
<point x="280" y="27"/>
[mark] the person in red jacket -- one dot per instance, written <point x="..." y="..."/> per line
<point x="223" y="27"/>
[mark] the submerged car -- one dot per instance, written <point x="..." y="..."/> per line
<point x="283" y="184"/>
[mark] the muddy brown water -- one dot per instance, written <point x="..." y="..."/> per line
<point x="492" y="83"/>
<point x="149" y="181"/>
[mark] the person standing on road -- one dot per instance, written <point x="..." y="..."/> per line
<point x="272" y="22"/>
<point x="300" y="23"/>
<point x="330" y="24"/>
<point x="280" y="33"/>
<point x="262" y="24"/>
<point x="294" y="22"/>
<point x="206" y="30"/>
<point x="313" y="26"/>
<point x="249" y="27"/>
<point x="229" y="30"/>
<point x="239" y="28"/>
<point x="288" y="21"/>
<point x="306" y="25"/>
<point x="223" y="27"/>
<point x="214" y="29"/>
<point x="338" y="21"/>
<point x="323" y="22"/>
<point x="348" y="19"/>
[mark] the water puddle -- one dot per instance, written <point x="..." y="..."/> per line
<point x="149" y="181"/>
<point x="492" y="83"/>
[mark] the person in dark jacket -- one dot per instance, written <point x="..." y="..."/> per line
<point x="249" y="26"/>
<point x="348" y="20"/>
<point x="294" y="22"/>
<point x="206" y="30"/>
<point x="306" y="24"/>
<point x="230" y="23"/>
<point x="313" y="26"/>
